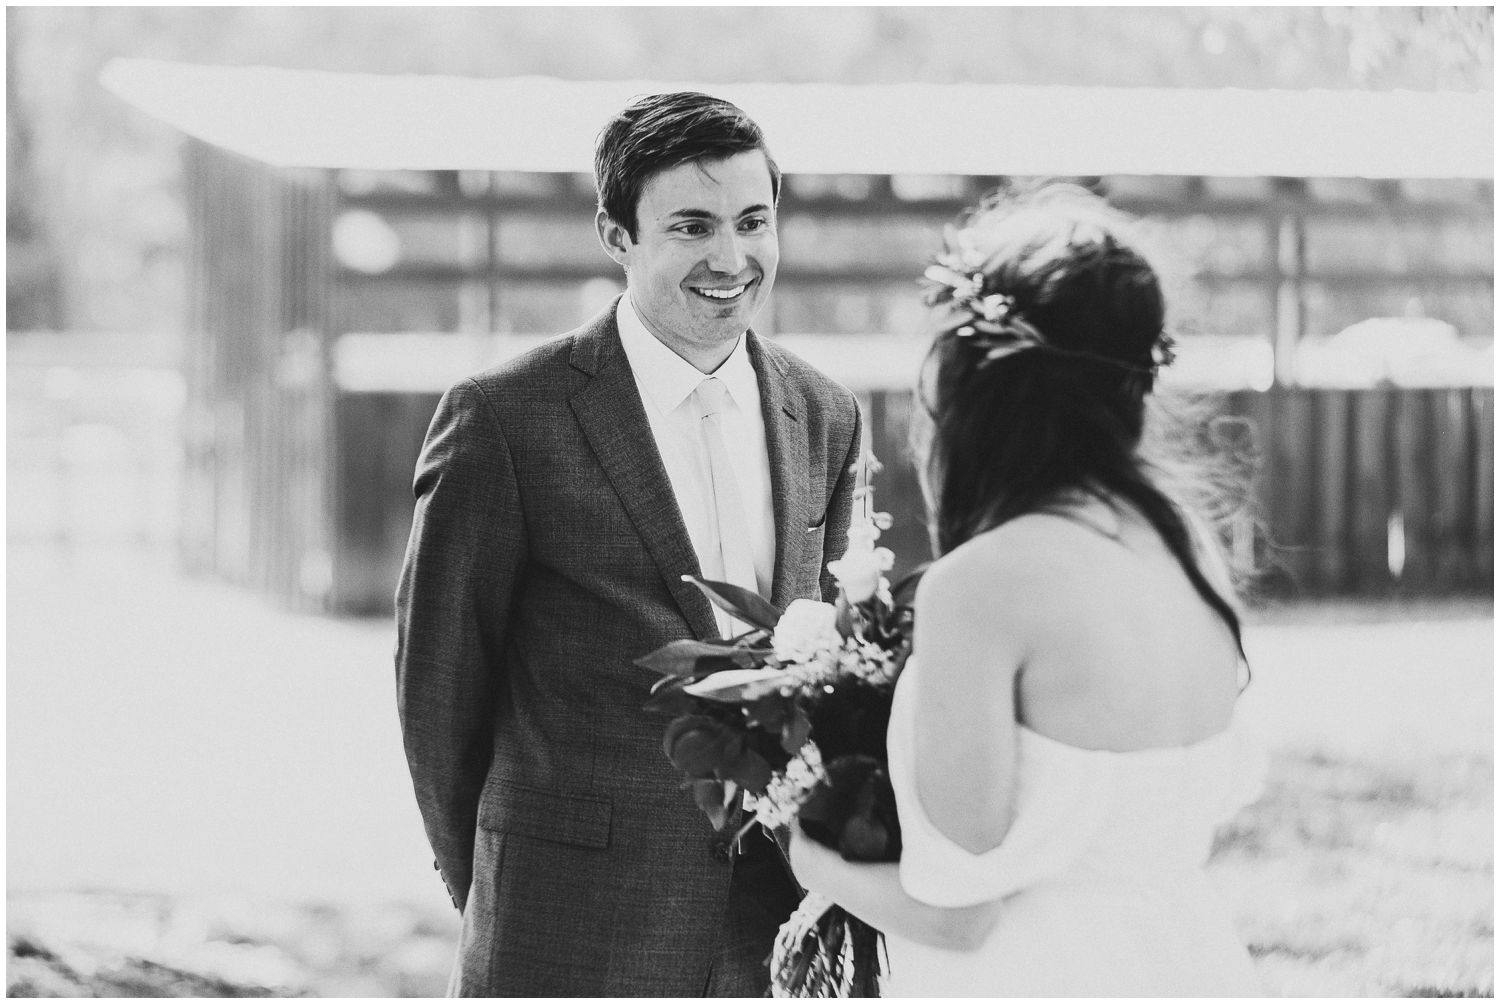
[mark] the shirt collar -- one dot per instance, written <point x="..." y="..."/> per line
<point x="667" y="378"/>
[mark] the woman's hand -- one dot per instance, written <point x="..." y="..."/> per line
<point x="872" y="892"/>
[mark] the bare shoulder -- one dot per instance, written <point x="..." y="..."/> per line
<point x="977" y="605"/>
<point x="1038" y="551"/>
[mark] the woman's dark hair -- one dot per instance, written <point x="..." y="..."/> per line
<point x="660" y="131"/>
<point x="1051" y="327"/>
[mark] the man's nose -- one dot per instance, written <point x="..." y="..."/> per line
<point x="726" y="255"/>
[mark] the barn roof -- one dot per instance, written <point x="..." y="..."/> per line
<point x="303" y="118"/>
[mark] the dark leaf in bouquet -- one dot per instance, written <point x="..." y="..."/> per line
<point x="715" y="799"/>
<point x="864" y="838"/>
<point x="768" y="745"/>
<point x="698" y="745"/>
<point x="742" y="603"/>
<point x="903" y="653"/>
<point x="904" y="592"/>
<point x="750" y="656"/>
<point x="857" y="788"/>
<point x="748" y="769"/>
<point x="665" y="684"/>
<point x="853" y="718"/>
<point x="668" y="697"/>
<point x="770" y="711"/>
<point x="823" y="813"/>
<point x="796" y="730"/>
<point x="690" y="657"/>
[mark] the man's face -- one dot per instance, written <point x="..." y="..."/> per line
<point x="705" y="253"/>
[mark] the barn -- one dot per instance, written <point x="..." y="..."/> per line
<point x="360" y="242"/>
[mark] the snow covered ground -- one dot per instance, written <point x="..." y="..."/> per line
<point x="183" y="739"/>
<point x="170" y="734"/>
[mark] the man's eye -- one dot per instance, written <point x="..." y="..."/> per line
<point x="755" y="223"/>
<point x="692" y="229"/>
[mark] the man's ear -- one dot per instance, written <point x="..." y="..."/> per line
<point x="614" y="237"/>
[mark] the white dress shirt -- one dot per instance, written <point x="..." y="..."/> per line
<point x="666" y="381"/>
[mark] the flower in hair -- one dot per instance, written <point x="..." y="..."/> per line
<point x="963" y="286"/>
<point x="994" y="308"/>
<point x="989" y="322"/>
<point x="1163" y="353"/>
<point x="1004" y="337"/>
<point x="993" y="325"/>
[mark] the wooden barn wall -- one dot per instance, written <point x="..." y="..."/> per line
<point x="1345" y="483"/>
<point x="303" y="490"/>
<point x="257" y="433"/>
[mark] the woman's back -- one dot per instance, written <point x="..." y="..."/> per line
<point x="1123" y="652"/>
<point x="1061" y="743"/>
<point x="1116" y="763"/>
<point x="1078" y="624"/>
<point x="1098" y="881"/>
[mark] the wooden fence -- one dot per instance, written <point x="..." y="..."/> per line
<point x="297" y="482"/>
<point x="1367" y="493"/>
<point x="1378" y="492"/>
<point x="1355" y="493"/>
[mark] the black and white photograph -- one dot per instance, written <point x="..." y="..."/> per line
<point x="787" y="501"/>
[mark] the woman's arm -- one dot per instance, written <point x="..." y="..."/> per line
<point x="873" y="893"/>
<point x="973" y="634"/>
<point x="972" y="638"/>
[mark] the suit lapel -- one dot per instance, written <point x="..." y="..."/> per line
<point x="786" y="445"/>
<point x="610" y="412"/>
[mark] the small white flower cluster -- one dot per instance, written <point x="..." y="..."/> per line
<point x="867" y="661"/>
<point x="789" y="789"/>
<point x="959" y="275"/>
<point x="861" y="660"/>
<point x="808" y="675"/>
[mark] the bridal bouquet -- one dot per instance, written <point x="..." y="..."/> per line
<point x="787" y="722"/>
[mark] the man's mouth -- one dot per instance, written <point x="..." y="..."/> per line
<point x="721" y="294"/>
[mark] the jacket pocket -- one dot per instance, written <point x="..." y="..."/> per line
<point x="581" y="820"/>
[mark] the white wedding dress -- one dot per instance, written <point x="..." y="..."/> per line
<point x="1101" y="873"/>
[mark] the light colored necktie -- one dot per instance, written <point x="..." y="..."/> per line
<point x="736" y="565"/>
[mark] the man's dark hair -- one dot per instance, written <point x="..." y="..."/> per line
<point x="658" y="132"/>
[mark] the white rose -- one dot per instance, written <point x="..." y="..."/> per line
<point x="859" y="571"/>
<point x="807" y="627"/>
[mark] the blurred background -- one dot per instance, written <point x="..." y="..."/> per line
<point x="236" y="284"/>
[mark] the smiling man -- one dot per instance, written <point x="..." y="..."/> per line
<point x="561" y="499"/>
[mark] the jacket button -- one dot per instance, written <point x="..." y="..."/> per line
<point x="435" y="866"/>
<point x="720" y="850"/>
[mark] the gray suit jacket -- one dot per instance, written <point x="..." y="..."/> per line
<point x="546" y="554"/>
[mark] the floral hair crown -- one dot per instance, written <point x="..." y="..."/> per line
<point x="992" y="324"/>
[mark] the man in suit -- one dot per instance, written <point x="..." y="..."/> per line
<point x="561" y="499"/>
